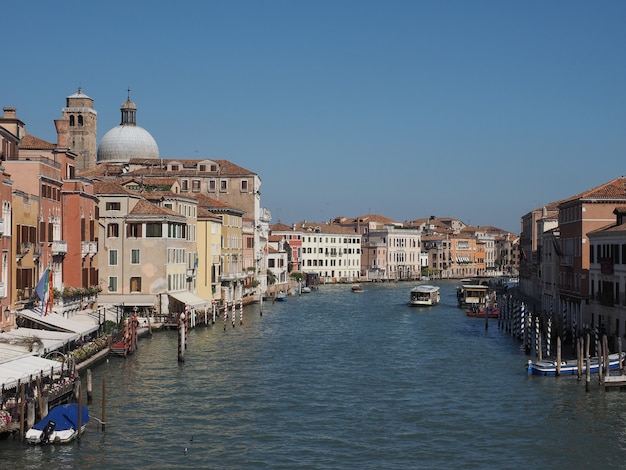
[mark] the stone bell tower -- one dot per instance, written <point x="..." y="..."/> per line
<point x="81" y="137"/>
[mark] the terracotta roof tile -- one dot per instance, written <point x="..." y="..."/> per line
<point x="30" y="142"/>
<point x="280" y="227"/>
<point x="144" y="207"/>
<point x="108" y="187"/>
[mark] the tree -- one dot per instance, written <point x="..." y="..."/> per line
<point x="287" y="248"/>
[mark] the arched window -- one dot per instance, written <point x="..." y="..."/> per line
<point x="72" y="122"/>
<point x="80" y="120"/>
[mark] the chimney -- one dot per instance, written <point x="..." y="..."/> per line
<point x="62" y="126"/>
<point x="10" y="112"/>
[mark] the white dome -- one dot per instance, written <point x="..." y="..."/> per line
<point x="124" y="142"/>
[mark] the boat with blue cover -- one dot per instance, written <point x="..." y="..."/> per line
<point x="60" y="425"/>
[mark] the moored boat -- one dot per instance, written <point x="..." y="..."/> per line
<point x="280" y="296"/>
<point x="357" y="288"/>
<point x="491" y="311"/>
<point x="570" y="367"/>
<point x="60" y="425"/>
<point x="472" y="295"/>
<point x="425" y="295"/>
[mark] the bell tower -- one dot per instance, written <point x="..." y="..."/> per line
<point x="81" y="134"/>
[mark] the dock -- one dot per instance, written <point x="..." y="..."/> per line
<point x="614" y="381"/>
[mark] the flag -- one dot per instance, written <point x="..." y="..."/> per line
<point x="43" y="290"/>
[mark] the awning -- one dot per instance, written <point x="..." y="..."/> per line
<point x="52" y="340"/>
<point x="24" y="368"/>
<point x="139" y="300"/>
<point x="190" y="299"/>
<point x="56" y="322"/>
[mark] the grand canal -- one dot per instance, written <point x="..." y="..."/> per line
<point x="340" y="380"/>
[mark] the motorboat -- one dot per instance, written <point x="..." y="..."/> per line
<point x="489" y="310"/>
<point x="425" y="295"/>
<point x="357" y="288"/>
<point x="472" y="295"/>
<point x="59" y="426"/>
<point x="570" y="367"/>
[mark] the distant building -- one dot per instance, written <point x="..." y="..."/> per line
<point x="81" y="132"/>
<point x="607" y="274"/>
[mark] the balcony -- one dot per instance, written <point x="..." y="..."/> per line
<point x="89" y="249"/>
<point x="37" y="251"/>
<point x="22" y="250"/>
<point x="59" y="247"/>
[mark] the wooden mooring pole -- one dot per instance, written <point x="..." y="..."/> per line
<point x="104" y="401"/>
<point x="588" y="364"/>
<point x="80" y="411"/>
<point x="181" y="338"/>
<point x="22" y="411"/>
<point x="89" y="389"/>
<point x="558" y="355"/>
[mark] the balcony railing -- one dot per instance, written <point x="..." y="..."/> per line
<point x="59" y="247"/>
<point x="37" y="251"/>
<point x="23" y="249"/>
<point x="89" y="248"/>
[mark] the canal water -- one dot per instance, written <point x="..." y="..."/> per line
<point x="339" y="380"/>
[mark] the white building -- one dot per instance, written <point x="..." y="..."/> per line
<point x="331" y="251"/>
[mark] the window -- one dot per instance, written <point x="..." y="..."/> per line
<point x="202" y="167"/>
<point x="223" y="185"/>
<point x="72" y="121"/>
<point x="135" y="284"/>
<point x="134" y="256"/>
<point x="244" y="186"/>
<point x="112" y="206"/>
<point x="212" y="186"/>
<point x="112" y="257"/>
<point x="133" y="231"/>
<point x="112" y="283"/>
<point x="113" y="230"/>
<point x="184" y="185"/>
<point x="154" y="230"/>
<point x="195" y="185"/>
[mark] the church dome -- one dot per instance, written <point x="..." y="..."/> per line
<point x="128" y="140"/>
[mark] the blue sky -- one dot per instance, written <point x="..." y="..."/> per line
<point x="477" y="110"/>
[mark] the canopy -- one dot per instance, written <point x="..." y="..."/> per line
<point x="56" y="322"/>
<point x="25" y="367"/>
<point x="190" y="299"/>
